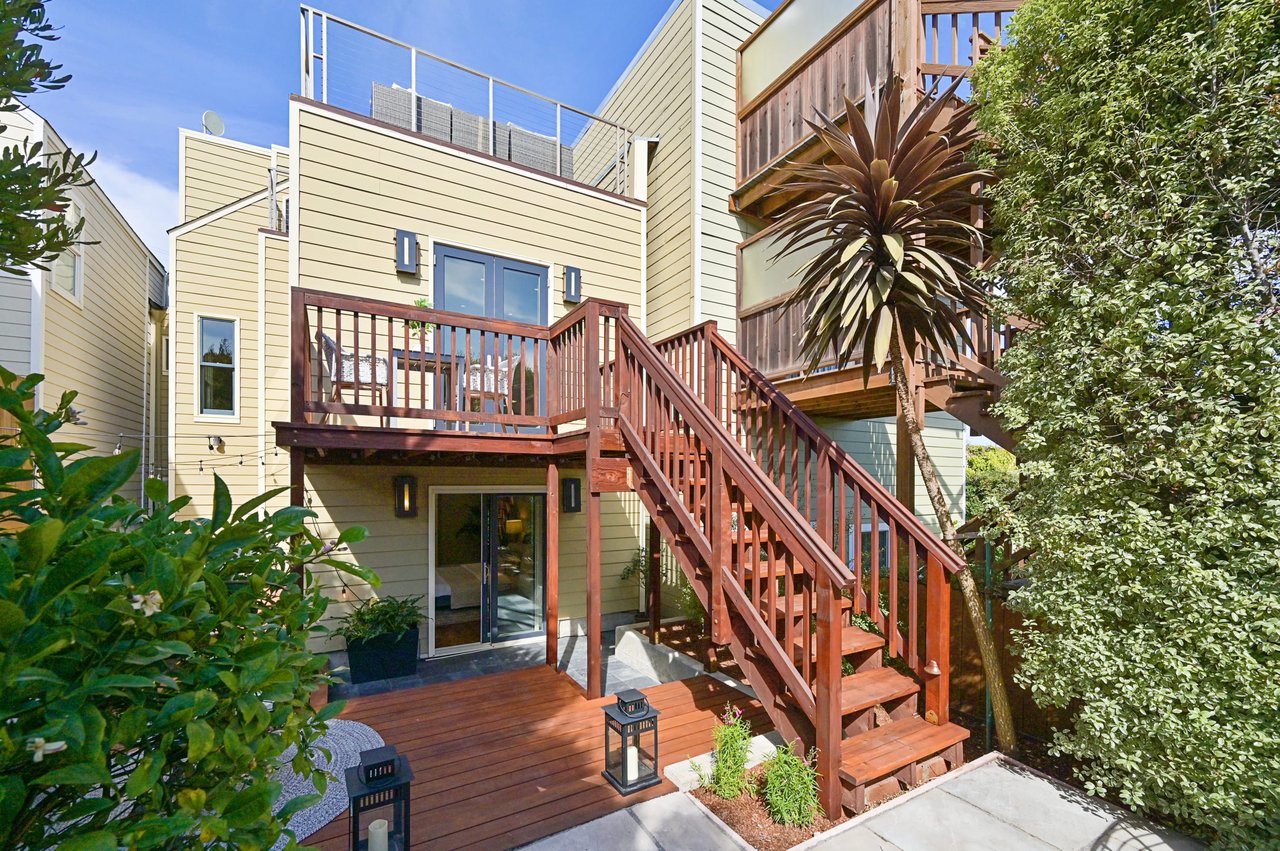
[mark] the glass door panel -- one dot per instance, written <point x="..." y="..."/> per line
<point x="517" y="565"/>
<point x="462" y="285"/>
<point x="459" y="570"/>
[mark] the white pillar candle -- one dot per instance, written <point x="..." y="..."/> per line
<point x="633" y="763"/>
<point x="378" y="835"/>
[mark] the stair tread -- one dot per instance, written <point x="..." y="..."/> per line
<point x="750" y="570"/>
<point x="798" y="608"/>
<point x="871" y="688"/>
<point x="853" y="639"/>
<point x="883" y="750"/>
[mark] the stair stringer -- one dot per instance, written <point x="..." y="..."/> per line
<point x="788" y="720"/>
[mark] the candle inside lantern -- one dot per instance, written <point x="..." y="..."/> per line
<point x="633" y="762"/>
<point x="378" y="835"/>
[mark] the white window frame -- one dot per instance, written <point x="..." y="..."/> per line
<point x="199" y="415"/>
<point x="76" y="297"/>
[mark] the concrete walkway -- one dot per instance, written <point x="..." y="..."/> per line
<point x="991" y="805"/>
<point x="673" y="822"/>
<point x="997" y="803"/>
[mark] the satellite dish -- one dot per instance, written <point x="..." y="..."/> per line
<point x="212" y="122"/>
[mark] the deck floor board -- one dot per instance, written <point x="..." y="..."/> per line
<point x="506" y="759"/>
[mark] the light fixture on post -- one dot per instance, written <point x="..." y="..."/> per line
<point x="405" y="493"/>
<point x="380" y="780"/>
<point x="631" y="743"/>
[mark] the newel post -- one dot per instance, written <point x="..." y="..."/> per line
<point x="828" y="722"/>
<point x="937" y="643"/>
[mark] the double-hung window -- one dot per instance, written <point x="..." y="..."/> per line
<point x="218" y="356"/>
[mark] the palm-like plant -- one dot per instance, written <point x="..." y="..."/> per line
<point x="889" y="214"/>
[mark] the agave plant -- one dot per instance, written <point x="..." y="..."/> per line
<point x="889" y="213"/>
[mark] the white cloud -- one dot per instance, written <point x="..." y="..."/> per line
<point x="150" y="206"/>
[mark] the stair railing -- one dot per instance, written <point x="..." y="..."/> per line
<point x="901" y="568"/>
<point x="715" y="487"/>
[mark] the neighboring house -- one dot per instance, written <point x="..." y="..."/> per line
<point x="562" y="400"/>
<point x="94" y="322"/>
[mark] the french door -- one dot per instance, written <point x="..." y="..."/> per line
<point x="496" y="288"/>
<point x="488" y="582"/>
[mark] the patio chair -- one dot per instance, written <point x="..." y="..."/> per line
<point x="371" y="373"/>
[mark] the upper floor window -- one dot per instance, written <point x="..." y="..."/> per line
<point x="217" y="366"/>
<point x="68" y="273"/>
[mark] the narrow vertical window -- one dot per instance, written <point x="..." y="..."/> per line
<point x="68" y="273"/>
<point x="217" y="366"/>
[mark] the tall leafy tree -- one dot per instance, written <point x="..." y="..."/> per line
<point x="888" y="213"/>
<point x="33" y="180"/>
<point x="1140" y="151"/>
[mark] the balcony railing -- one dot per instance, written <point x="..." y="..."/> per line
<point x="862" y="49"/>
<point x="364" y="362"/>
<point x="366" y="72"/>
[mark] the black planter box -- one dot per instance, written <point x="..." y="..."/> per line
<point x="383" y="657"/>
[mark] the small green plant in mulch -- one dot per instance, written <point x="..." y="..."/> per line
<point x="791" y="787"/>
<point x="732" y="738"/>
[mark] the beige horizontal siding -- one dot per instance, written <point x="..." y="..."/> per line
<point x="217" y="172"/>
<point x="725" y="24"/>
<point x="357" y="185"/>
<point x="655" y="98"/>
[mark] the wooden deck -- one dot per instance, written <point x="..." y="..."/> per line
<point x="506" y="759"/>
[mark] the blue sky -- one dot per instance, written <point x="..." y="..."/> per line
<point x="143" y="68"/>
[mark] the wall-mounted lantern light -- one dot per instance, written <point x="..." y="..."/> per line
<point x="571" y="495"/>
<point x="405" y="490"/>
<point x="407" y="252"/>
<point x="572" y="284"/>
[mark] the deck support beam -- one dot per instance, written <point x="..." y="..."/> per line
<point x="653" y="576"/>
<point x="553" y="565"/>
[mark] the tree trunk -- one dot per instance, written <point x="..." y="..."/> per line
<point x="1000" y="706"/>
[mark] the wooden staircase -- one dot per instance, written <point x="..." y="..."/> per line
<point x="832" y="596"/>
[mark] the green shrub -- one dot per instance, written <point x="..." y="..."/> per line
<point x="152" y="669"/>
<point x="1139" y="233"/>
<point x="732" y="741"/>
<point x="991" y="474"/>
<point x="791" y="787"/>
<point x="381" y="616"/>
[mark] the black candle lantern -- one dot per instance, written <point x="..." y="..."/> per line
<point x="380" y="780"/>
<point x="631" y="743"/>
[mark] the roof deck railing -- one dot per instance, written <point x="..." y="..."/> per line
<point x="357" y="69"/>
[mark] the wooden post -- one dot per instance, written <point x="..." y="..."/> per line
<point x="552" y="572"/>
<point x="299" y="358"/>
<point x="654" y="578"/>
<point x="828" y="720"/>
<point x="297" y="482"/>
<point x="906" y="23"/>
<point x="591" y="363"/>
<point x="937" y="643"/>
<point x="721" y="551"/>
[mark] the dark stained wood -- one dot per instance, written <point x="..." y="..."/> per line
<point x="507" y="759"/>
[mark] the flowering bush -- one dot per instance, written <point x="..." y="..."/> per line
<point x="732" y="738"/>
<point x="152" y="669"/>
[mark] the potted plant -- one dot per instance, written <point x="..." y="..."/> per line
<point x="382" y="638"/>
